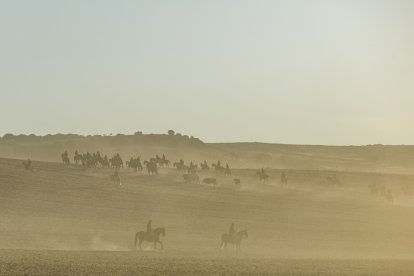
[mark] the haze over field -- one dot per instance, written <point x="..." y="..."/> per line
<point x="215" y="137"/>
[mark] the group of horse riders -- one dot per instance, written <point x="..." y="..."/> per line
<point x="153" y="235"/>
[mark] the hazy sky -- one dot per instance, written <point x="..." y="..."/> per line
<point x="311" y="72"/>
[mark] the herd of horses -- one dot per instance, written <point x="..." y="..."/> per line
<point x="96" y="160"/>
<point x="386" y="194"/>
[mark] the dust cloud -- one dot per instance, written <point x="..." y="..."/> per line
<point x="196" y="193"/>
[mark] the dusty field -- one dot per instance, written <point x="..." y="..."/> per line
<point x="18" y="262"/>
<point x="310" y="226"/>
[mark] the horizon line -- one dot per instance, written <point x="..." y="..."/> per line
<point x="205" y="142"/>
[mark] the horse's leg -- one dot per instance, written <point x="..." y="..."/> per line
<point x="155" y="244"/>
<point x="140" y="242"/>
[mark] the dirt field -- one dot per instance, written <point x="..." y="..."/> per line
<point x="18" y="262"/>
<point x="310" y="226"/>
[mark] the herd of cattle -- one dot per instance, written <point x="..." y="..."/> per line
<point x="97" y="160"/>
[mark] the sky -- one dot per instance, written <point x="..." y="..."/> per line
<point x="294" y="71"/>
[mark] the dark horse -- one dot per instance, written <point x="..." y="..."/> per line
<point x="233" y="239"/>
<point x="154" y="237"/>
<point x="263" y="176"/>
<point x="28" y="165"/>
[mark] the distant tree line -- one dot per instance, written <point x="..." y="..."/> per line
<point x="59" y="136"/>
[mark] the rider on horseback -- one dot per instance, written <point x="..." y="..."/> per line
<point x="232" y="231"/>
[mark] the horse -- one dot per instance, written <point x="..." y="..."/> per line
<point x="218" y="168"/>
<point x="180" y="166"/>
<point x="116" y="162"/>
<point x="235" y="239"/>
<point x="283" y="179"/>
<point x="166" y="163"/>
<point x="154" y="237"/>
<point x="151" y="167"/>
<point x="204" y="166"/>
<point x="210" y="181"/>
<point x="407" y="190"/>
<point x="116" y="177"/>
<point x="139" y="166"/>
<point x="77" y="157"/>
<point x="191" y="177"/>
<point x="65" y="158"/>
<point x="192" y="168"/>
<point x="390" y="199"/>
<point x="262" y="175"/>
<point x="28" y="165"/>
<point x="162" y="161"/>
<point x="332" y="180"/>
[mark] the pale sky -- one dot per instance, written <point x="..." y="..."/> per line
<point x="308" y="72"/>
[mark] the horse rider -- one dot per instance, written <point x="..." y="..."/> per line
<point x="232" y="231"/>
<point x="149" y="227"/>
<point x="285" y="179"/>
<point x="115" y="176"/>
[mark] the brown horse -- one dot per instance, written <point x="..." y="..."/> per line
<point x="65" y="158"/>
<point x="28" y="165"/>
<point x="235" y="239"/>
<point x="262" y="175"/>
<point x="154" y="237"/>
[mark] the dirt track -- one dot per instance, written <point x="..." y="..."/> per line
<point x="19" y="262"/>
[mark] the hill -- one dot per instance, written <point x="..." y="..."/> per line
<point x="371" y="158"/>
<point x="73" y="208"/>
